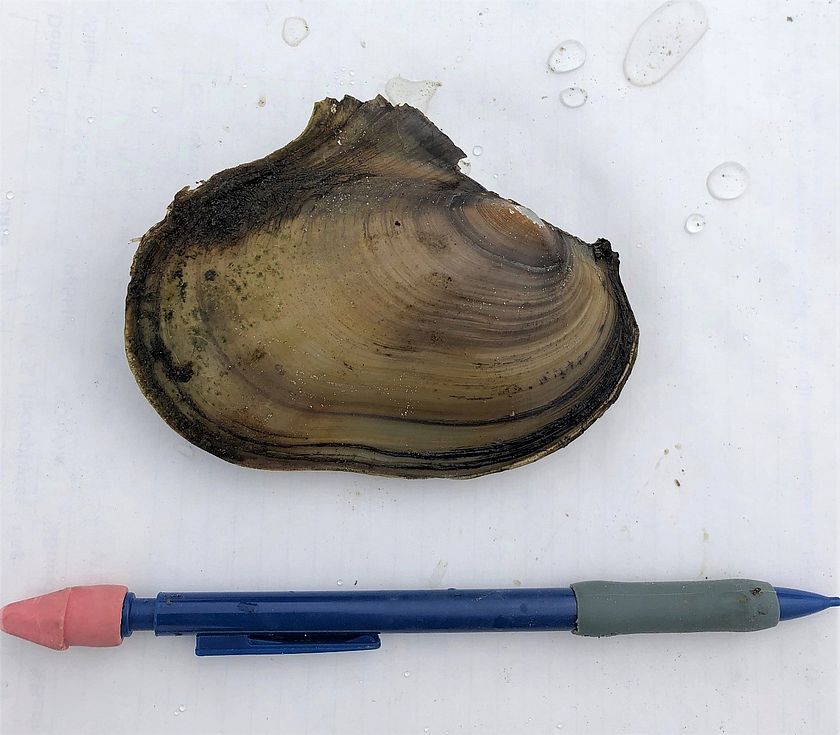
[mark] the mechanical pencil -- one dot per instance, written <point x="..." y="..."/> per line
<point x="235" y="623"/>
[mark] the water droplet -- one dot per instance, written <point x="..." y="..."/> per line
<point x="339" y="582"/>
<point x="154" y="110"/>
<point x="181" y="708"/>
<point x="573" y="96"/>
<point x="244" y="85"/>
<point x="363" y="44"/>
<point x="638" y="244"/>
<point x="5" y="232"/>
<point x="295" y="30"/>
<point x="663" y="40"/>
<point x="418" y="94"/>
<point x="90" y="119"/>
<point x="10" y="195"/>
<point x="406" y="674"/>
<point x="694" y="223"/>
<point x="41" y="90"/>
<point x="425" y="729"/>
<point x="746" y="338"/>
<point x="559" y="725"/>
<point x="459" y="59"/>
<point x="352" y="73"/>
<point x="568" y="56"/>
<point x="495" y="176"/>
<point x="727" y="181"/>
<point x="34" y="99"/>
<point x="464" y="166"/>
<point x="176" y="713"/>
<point x="477" y="150"/>
<point x="531" y="215"/>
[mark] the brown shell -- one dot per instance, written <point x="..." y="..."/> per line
<point x="352" y="301"/>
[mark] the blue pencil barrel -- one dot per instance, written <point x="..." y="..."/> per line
<point x="409" y="611"/>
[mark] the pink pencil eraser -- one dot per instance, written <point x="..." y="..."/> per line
<point x="74" y="616"/>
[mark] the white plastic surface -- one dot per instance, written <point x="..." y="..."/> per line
<point x="734" y="395"/>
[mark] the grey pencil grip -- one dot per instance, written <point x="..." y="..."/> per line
<point x="615" y="608"/>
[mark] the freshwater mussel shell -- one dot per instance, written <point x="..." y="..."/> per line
<point x="354" y="302"/>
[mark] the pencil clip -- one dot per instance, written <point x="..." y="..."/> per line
<point x="248" y="644"/>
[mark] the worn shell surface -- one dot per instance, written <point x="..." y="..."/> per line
<point x="352" y="301"/>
